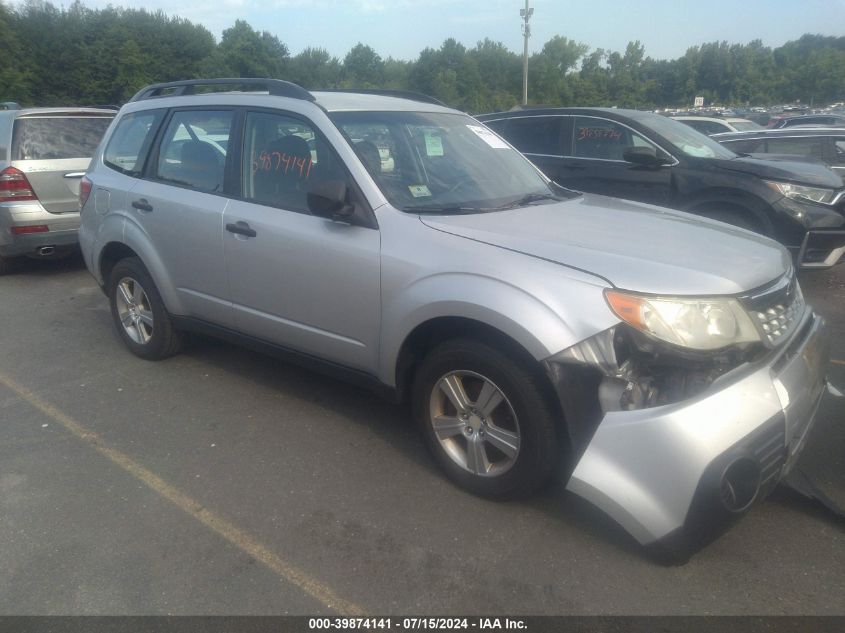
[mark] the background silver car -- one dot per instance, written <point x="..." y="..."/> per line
<point x="44" y="153"/>
<point x="665" y="366"/>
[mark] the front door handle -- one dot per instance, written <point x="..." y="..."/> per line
<point x="142" y="205"/>
<point x="574" y="166"/>
<point x="241" y="228"/>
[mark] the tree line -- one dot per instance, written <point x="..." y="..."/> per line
<point x="78" y="55"/>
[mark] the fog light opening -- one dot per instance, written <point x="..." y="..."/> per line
<point x="739" y="485"/>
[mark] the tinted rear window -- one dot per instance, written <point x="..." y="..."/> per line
<point x="46" y="138"/>
<point x="535" y="135"/>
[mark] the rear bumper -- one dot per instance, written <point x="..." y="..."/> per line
<point x="62" y="228"/>
<point x="668" y="469"/>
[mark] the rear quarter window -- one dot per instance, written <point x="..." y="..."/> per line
<point x="54" y="138"/>
<point x="131" y="140"/>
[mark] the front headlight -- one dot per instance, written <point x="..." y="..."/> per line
<point x="694" y="323"/>
<point x="797" y="192"/>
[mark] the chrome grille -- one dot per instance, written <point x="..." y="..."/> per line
<point x="778" y="321"/>
<point x="777" y="310"/>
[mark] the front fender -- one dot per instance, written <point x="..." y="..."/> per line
<point x="536" y="326"/>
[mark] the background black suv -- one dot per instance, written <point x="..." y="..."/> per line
<point x="650" y="158"/>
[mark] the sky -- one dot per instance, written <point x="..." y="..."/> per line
<point x="403" y="28"/>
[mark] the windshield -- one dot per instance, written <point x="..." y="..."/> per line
<point x="442" y="163"/>
<point x="684" y="138"/>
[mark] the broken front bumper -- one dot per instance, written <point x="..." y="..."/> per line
<point x="662" y="469"/>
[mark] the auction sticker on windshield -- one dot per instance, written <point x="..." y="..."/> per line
<point x="419" y="191"/>
<point x="488" y="137"/>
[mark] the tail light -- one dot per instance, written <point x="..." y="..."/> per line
<point x="14" y="186"/>
<point x="85" y="186"/>
<point x="26" y="230"/>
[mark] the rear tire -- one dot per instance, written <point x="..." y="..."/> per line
<point x="4" y="265"/>
<point x="139" y="314"/>
<point x="486" y="418"/>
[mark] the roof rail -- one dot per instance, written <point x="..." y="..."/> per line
<point x="402" y="94"/>
<point x="276" y="87"/>
<point x="10" y="105"/>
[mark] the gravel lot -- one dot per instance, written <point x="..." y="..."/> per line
<point x="225" y="482"/>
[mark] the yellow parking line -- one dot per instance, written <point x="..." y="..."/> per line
<point x="222" y="527"/>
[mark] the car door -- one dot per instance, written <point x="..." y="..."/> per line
<point x="179" y="205"/>
<point x="596" y="163"/>
<point x="300" y="281"/>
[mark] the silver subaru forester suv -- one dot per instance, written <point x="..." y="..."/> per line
<point x="665" y="366"/>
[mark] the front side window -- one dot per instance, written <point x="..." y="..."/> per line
<point x="746" y="126"/>
<point x="707" y="127"/>
<point x="130" y="141"/>
<point x="808" y="146"/>
<point x="55" y="138"/>
<point x="283" y="156"/>
<point x="441" y="162"/>
<point x="604" y="139"/>
<point x="193" y="150"/>
<point x="840" y="152"/>
<point x="747" y="146"/>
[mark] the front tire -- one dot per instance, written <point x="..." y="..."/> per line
<point x="139" y="314"/>
<point x="486" y="418"/>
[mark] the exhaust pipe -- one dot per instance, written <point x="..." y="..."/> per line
<point x="739" y="485"/>
<point x="45" y="251"/>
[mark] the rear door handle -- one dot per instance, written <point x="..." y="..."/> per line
<point x="241" y="228"/>
<point x="75" y="174"/>
<point x="142" y="205"/>
<point x="574" y="166"/>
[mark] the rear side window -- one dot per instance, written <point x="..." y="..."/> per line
<point x="53" y="138"/>
<point x="193" y="149"/>
<point x="131" y="140"/>
<point x="536" y="135"/>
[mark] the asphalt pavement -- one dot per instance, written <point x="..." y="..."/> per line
<point x="226" y="482"/>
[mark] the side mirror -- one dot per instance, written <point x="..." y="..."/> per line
<point x="646" y="156"/>
<point x="327" y="199"/>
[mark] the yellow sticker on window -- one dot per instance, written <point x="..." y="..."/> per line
<point x="419" y="191"/>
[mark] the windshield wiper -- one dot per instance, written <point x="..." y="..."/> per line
<point x="528" y="199"/>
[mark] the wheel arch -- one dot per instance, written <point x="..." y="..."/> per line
<point x="131" y="246"/>
<point x="737" y="200"/>
<point x="436" y="330"/>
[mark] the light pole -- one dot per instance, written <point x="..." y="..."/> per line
<point x="526" y="14"/>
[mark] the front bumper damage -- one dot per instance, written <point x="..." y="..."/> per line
<point x="663" y="472"/>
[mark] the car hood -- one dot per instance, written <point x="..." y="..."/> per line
<point x="630" y="245"/>
<point x="795" y="170"/>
